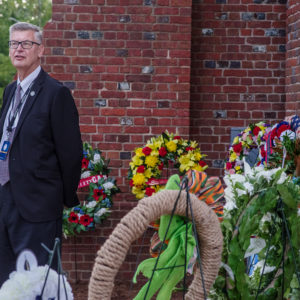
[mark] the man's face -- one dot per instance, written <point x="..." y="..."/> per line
<point x="25" y="60"/>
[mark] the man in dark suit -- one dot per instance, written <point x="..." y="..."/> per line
<point x="40" y="153"/>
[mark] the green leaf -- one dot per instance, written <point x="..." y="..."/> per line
<point x="286" y="195"/>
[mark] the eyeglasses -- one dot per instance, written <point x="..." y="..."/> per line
<point x="24" y="44"/>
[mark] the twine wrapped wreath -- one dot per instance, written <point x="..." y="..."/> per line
<point x="113" y="252"/>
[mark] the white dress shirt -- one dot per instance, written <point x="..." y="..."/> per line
<point x="24" y="86"/>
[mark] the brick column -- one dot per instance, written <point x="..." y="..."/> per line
<point x="293" y="58"/>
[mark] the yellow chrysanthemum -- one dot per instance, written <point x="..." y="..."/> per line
<point x="136" y="161"/>
<point x="138" y="179"/>
<point x="139" y="152"/>
<point x="237" y="168"/>
<point x="151" y="161"/>
<point x="171" y="146"/>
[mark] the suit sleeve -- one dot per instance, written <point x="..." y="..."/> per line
<point x="68" y="144"/>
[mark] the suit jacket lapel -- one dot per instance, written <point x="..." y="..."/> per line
<point x="7" y="102"/>
<point x="30" y="99"/>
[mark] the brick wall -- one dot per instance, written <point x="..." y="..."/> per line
<point x="127" y="63"/>
<point x="293" y="58"/>
<point x="138" y="67"/>
<point x="238" y="70"/>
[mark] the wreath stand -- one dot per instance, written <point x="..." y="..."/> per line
<point x="207" y="233"/>
<point x="285" y="236"/>
<point x="52" y="253"/>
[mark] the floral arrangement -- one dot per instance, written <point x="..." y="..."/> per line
<point x="97" y="204"/>
<point x="157" y="155"/>
<point x="92" y="162"/>
<point x="27" y="285"/>
<point x="279" y="148"/>
<point x="31" y="281"/>
<point x="252" y="137"/>
<point x="260" y="196"/>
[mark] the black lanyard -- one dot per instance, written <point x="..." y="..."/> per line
<point x="13" y="118"/>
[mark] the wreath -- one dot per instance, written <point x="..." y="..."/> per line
<point x="96" y="207"/>
<point x="251" y="138"/>
<point x="113" y="252"/>
<point x="276" y="146"/>
<point x="269" y="198"/>
<point x="160" y="153"/>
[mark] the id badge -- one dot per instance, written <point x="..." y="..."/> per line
<point x="4" y="150"/>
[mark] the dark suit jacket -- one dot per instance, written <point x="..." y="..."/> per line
<point x="46" y="152"/>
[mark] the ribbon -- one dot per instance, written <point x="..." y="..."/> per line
<point x="86" y="181"/>
<point x="167" y="275"/>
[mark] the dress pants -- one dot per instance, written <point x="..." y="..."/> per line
<point x="17" y="234"/>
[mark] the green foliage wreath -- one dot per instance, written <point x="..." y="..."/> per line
<point x="257" y="205"/>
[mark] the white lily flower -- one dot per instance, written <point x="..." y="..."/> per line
<point x="249" y="187"/>
<point x="91" y="204"/>
<point x="228" y="194"/>
<point x="267" y="174"/>
<point x="85" y="174"/>
<point x="282" y="178"/>
<point x="101" y="211"/>
<point x="108" y="185"/>
<point x="268" y="269"/>
<point x="230" y="205"/>
<point x="96" y="158"/>
<point x="238" y="178"/>
<point x="248" y="171"/>
<point x="256" y="245"/>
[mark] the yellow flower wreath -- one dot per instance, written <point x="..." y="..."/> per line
<point x="159" y="153"/>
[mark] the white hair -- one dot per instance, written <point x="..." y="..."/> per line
<point x="24" y="26"/>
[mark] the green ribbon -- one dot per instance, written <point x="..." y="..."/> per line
<point x="168" y="275"/>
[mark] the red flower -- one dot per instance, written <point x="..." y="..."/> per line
<point x="85" y="220"/>
<point x="228" y="166"/>
<point x="161" y="166"/>
<point x="131" y="183"/>
<point x="140" y="169"/>
<point x="189" y="148"/>
<point x="84" y="163"/>
<point x="73" y="218"/>
<point x="162" y="152"/>
<point x="98" y="193"/>
<point x="147" y="150"/>
<point x="237" y="148"/>
<point x="202" y="163"/>
<point x="177" y="137"/>
<point x="149" y="191"/>
<point x="256" y="130"/>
